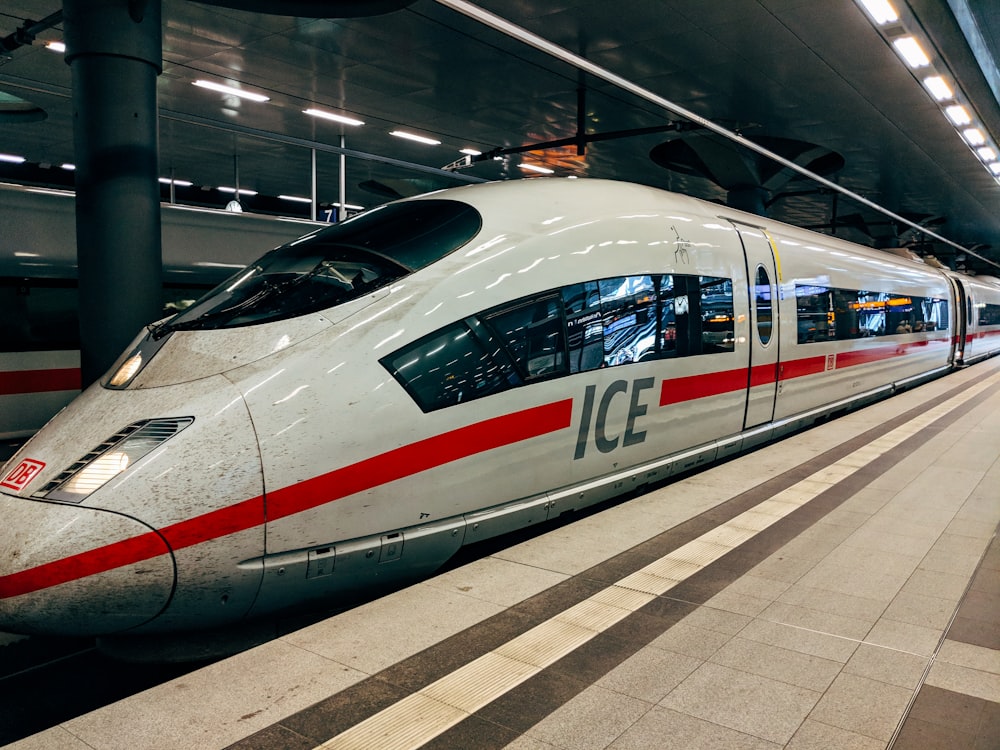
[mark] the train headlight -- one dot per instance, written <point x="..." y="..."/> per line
<point x="127" y="371"/>
<point x="111" y="458"/>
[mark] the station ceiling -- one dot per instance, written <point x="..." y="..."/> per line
<point x="818" y="82"/>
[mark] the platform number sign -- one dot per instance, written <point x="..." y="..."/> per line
<point x="23" y="473"/>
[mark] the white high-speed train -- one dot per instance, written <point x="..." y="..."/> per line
<point x="39" y="336"/>
<point x="358" y="404"/>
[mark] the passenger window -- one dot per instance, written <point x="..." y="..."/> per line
<point x="584" y="326"/>
<point x="989" y="315"/>
<point x="533" y="334"/>
<point x="628" y="304"/>
<point x="38" y="315"/>
<point x="451" y="366"/>
<point x="762" y="301"/>
<point x="668" y="317"/>
<point x="812" y="307"/>
<point x="718" y="331"/>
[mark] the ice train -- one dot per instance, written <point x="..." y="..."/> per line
<point x="358" y="404"/>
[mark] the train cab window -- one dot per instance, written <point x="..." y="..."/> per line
<point x="533" y="332"/>
<point x="455" y="364"/>
<point x="335" y="265"/>
<point x="762" y="304"/>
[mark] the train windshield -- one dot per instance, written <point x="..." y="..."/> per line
<point x="334" y="265"/>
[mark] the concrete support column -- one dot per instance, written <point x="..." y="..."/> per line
<point x="114" y="51"/>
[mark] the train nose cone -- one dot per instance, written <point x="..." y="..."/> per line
<point x="71" y="570"/>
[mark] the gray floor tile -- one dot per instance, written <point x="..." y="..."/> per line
<point x="793" y="667"/>
<point x="748" y="703"/>
<point x="866" y="707"/>
<point x="663" y="729"/>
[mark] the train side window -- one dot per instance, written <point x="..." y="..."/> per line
<point x="989" y="315"/>
<point x="718" y="331"/>
<point x="813" y="304"/>
<point x="38" y="315"/>
<point x="762" y="302"/>
<point x="628" y="306"/>
<point x="451" y="366"/>
<point x="667" y="308"/>
<point x="533" y="332"/>
<point x="584" y="326"/>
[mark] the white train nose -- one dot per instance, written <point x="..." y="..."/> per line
<point x="71" y="570"/>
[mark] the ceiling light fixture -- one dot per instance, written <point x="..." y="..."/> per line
<point x="68" y="167"/>
<point x="178" y="183"/>
<point x="934" y="76"/>
<point x="295" y="198"/>
<point x="417" y="138"/>
<point x="242" y="191"/>
<point x="12" y="159"/>
<point x="974" y="136"/>
<point x="880" y="11"/>
<point x="958" y="114"/>
<point x="223" y="89"/>
<point x="331" y="116"/>
<point x="470" y="152"/>
<point x="912" y="52"/>
<point x="536" y="168"/>
<point x="55" y="46"/>
<point x="939" y="88"/>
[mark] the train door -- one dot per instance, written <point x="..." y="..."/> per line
<point x="763" y="278"/>
<point x="962" y="312"/>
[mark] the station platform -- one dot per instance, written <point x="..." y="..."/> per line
<point x="837" y="589"/>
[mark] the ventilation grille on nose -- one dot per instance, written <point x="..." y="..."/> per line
<point x="141" y="437"/>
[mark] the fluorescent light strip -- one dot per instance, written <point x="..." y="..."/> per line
<point x="295" y="198"/>
<point x="331" y="116"/>
<point x="178" y="183"/>
<point x="912" y="52"/>
<point x="974" y="136"/>
<point x="470" y="152"/>
<point x="12" y="159"/>
<point x="880" y="11"/>
<point x="233" y="190"/>
<point x="417" y="138"/>
<point x="68" y="167"/>
<point x="56" y="46"/>
<point x="958" y="114"/>
<point x="939" y="88"/>
<point x="987" y="154"/>
<point x="221" y="88"/>
<point x="536" y="168"/>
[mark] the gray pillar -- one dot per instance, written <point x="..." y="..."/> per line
<point x="114" y="51"/>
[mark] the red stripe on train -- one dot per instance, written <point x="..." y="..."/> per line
<point x="13" y="382"/>
<point x="367" y="474"/>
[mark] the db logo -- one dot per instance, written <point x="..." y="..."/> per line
<point x="27" y="470"/>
